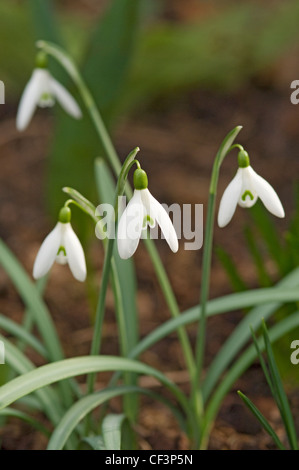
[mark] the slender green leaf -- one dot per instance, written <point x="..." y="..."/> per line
<point x="111" y="429"/>
<point x="110" y="270"/>
<point x="30" y="402"/>
<point x="35" y="304"/>
<point x="218" y="306"/>
<point x="47" y="397"/>
<point x="110" y="51"/>
<point x="279" y="392"/>
<point x="28" y="318"/>
<point x="266" y="425"/>
<point x="263" y="364"/>
<point x="125" y="268"/>
<point x="20" y="332"/>
<point x="32" y="299"/>
<point x="44" y="20"/>
<point x="241" y="333"/>
<point x="11" y="412"/>
<point x="95" y="442"/>
<point x="240" y="366"/>
<point x="50" y="373"/>
<point x="84" y="406"/>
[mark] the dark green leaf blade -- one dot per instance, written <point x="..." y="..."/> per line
<point x="266" y="425"/>
<point x="280" y="393"/>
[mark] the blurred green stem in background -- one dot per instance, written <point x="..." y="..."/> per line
<point x="225" y="148"/>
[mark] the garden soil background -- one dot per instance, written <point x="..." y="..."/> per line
<point x="178" y="143"/>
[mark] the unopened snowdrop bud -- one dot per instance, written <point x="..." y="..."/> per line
<point x="63" y="246"/>
<point x="243" y="159"/>
<point x="65" y="215"/>
<point x="43" y="90"/>
<point x="41" y="60"/>
<point x="142" y="211"/>
<point x="140" y="179"/>
<point x="244" y="189"/>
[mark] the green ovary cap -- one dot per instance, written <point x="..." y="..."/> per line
<point x="243" y="159"/>
<point x="65" y="215"/>
<point x="140" y="179"/>
<point x="41" y="60"/>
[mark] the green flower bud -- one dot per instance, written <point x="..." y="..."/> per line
<point x="65" y="215"/>
<point x="140" y="179"/>
<point x="41" y="60"/>
<point x="243" y="159"/>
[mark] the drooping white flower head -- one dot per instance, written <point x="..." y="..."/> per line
<point x="63" y="246"/>
<point x="244" y="189"/>
<point x="43" y="90"/>
<point x="142" y="211"/>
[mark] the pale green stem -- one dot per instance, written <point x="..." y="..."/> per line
<point x="196" y="395"/>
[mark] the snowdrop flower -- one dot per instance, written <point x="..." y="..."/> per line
<point x="42" y="90"/>
<point x="61" y="245"/>
<point x="142" y="211"/>
<point x="244" y="189"/>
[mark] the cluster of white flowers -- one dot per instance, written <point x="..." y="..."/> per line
<point x="62" y="244"/>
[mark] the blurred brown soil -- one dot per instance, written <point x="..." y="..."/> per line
<point x="178" y="145"/>
<point x="178" y="142"/>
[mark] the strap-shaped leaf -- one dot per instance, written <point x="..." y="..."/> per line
<point x="240" y="365"/>
<point x="266" y="425"/>
<point x="111" y="429"/>
<point x="51" y="373"/>
<point x="11" y="412"/>
<point x="21" y="333"/>
<point x="95" y="442"/>
<point x="241" y="333"/>
<point x="33" y="301"/>
<point x="84" y="406"/>
<point x="47" y="397"/>
<point x="125" y="268"/>
<point x="280" y="394"/>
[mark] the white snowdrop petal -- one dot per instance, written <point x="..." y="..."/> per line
<point x="248" y="196"/>
<point x="130" y="226"/>
<point x="158" y="213"/>
<point x="267" y="195"/>
<point x="66" y="100"/>
<point x="47" y="252"/>
<point x="74" y="253"/>
<point x="230" y="199"/>
<point x="30" y="98"/>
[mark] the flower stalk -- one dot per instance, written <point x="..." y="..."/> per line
<point x="196" y="395"/>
